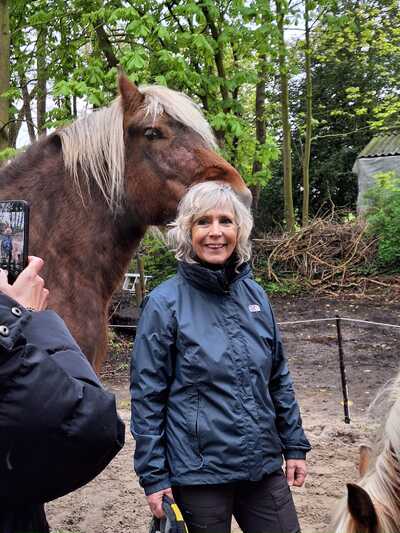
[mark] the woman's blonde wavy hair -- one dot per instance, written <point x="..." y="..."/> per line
<point x="197" y="201"/>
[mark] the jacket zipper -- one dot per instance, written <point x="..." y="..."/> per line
<point x="197" y="422"/>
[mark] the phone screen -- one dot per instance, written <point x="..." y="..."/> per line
<point x="14" y="233"/>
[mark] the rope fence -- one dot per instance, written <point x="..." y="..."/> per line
<point x="342" y="366"/>
<point x="289" y="323"/>
<point x="344" y="319"/>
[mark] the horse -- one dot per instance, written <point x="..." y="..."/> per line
<point x="373" y="504"/>
<point x="96" y="185"/>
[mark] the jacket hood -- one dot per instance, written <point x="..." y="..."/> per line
<point x="218" y="281"/>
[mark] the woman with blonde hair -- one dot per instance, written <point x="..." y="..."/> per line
<point x="213" y="407"/>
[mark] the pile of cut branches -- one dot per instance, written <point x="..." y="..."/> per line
<point x="326" y="255"/>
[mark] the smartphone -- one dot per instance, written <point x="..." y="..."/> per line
<point x="14" y="235"/>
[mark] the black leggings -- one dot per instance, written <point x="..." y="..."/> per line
<point x="264" y="506"/>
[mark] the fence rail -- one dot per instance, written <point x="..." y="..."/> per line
<point x="342" y="366"/>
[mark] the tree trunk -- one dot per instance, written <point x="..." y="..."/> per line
<point x="41" y="91"/>
<point x="26" y="99"/>
<point x="219" y="64"/>
<point x="105" y="44"/>
<point x="15" y="127"/>
<point x="307" y="143"/>
<point x="287" y="147"/>
<point x="74" y="107"/>
<point x="4" y="72"/>
<point x="260" y="126"/>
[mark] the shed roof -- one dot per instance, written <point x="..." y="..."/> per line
<point x="381" y="145"/>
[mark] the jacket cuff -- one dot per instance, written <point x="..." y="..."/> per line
<point x="13" y="317"/>
<point x="294" y="454"/>
<point x="155" y="487"/>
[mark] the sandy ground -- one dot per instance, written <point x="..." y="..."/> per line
<point x="114" y="503"/>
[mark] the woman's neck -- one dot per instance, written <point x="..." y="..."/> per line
<point x="229" y="265"/>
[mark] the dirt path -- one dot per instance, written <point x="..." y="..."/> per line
<point x="114" y="503"/>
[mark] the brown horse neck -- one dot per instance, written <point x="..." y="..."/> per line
<point x="75" y="234"/>
<point x="92" y="242"/>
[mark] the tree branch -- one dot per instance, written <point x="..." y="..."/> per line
<point x="105" y="44"/>
<point x="218" y="55"/>
<point x="333" y="135"/>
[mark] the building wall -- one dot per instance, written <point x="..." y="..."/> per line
<point x="366" y="168"/>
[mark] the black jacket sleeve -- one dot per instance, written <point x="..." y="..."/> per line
<point x="58" y="427"/>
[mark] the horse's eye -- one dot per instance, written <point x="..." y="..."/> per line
<point x="153" y="133"/>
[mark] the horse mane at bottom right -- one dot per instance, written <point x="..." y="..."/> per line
<point x="373" y="504"/>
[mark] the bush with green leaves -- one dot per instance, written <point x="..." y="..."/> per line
<point x="158" y="261"/>
<point x="383" y="217"/>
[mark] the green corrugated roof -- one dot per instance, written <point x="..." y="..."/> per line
<point x="382" y="145"/>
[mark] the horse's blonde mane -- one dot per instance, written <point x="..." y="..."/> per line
<point x="382" y="480"/>
<point x="94" y="143"/>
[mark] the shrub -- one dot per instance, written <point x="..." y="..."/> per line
<point x="158" y="261"/>
<point x="383" y="217"/>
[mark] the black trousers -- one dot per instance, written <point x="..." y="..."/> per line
<point x="264" y="506"/>
<point x="27" y="518"/>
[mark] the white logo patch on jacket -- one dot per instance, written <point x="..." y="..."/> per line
<point x="254" y="308"/>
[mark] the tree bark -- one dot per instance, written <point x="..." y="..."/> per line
<point x="307" y="143"/>
<point x="4" y="72"/>
<point x="26" y="99"/>
<point x="218" y="55"/>
<point x="284" y="97"/>
<point x="105" y="44"/>
<point x="41" y="91"/>
<point x="219" y="63"/>
<point x="14" y="128"/>
<point x="260" y="125"/>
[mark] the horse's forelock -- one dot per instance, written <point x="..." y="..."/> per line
<point x="94" y="143"/>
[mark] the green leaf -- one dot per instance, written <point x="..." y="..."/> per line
<point x="163" y="32"/>
<point x="161" y="80"/>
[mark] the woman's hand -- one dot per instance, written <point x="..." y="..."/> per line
<point x="296" y="471"/>
<point x="28" y="289"/>
<point x="155" y="501"/>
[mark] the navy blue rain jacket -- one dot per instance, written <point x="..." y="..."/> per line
<point x="58" y="427"/>
<point x="212" y="398"/>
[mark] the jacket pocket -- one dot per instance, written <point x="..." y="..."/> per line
<point x="197" y="425"/>
<point x="194" y="425"/>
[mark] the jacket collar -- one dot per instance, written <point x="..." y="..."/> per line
<point x="218" y="281"/>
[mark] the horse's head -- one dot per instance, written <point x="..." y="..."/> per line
<point x="168" y="147"/>
<point x="370" y="506"/>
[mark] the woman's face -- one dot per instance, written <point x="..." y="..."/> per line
<point x="214" y="235"/>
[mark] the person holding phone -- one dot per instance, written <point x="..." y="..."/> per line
<point x="7" y="246"/>
<point x="58" y="427"/>
<point x="214" y="413"/>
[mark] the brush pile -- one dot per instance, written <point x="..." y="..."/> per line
<point x="326" y="255"/>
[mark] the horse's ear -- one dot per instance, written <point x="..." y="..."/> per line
<point x="365" y="455"/>
<point x="130" y="94"/>
<point x="53" y="142"/>
<point x="361" y="509"/>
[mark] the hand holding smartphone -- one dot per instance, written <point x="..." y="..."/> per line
<point x="14" y="235"/>
<point x="28" y="289"/>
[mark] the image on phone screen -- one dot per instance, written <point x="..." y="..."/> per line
<point x="13" y="236"/>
